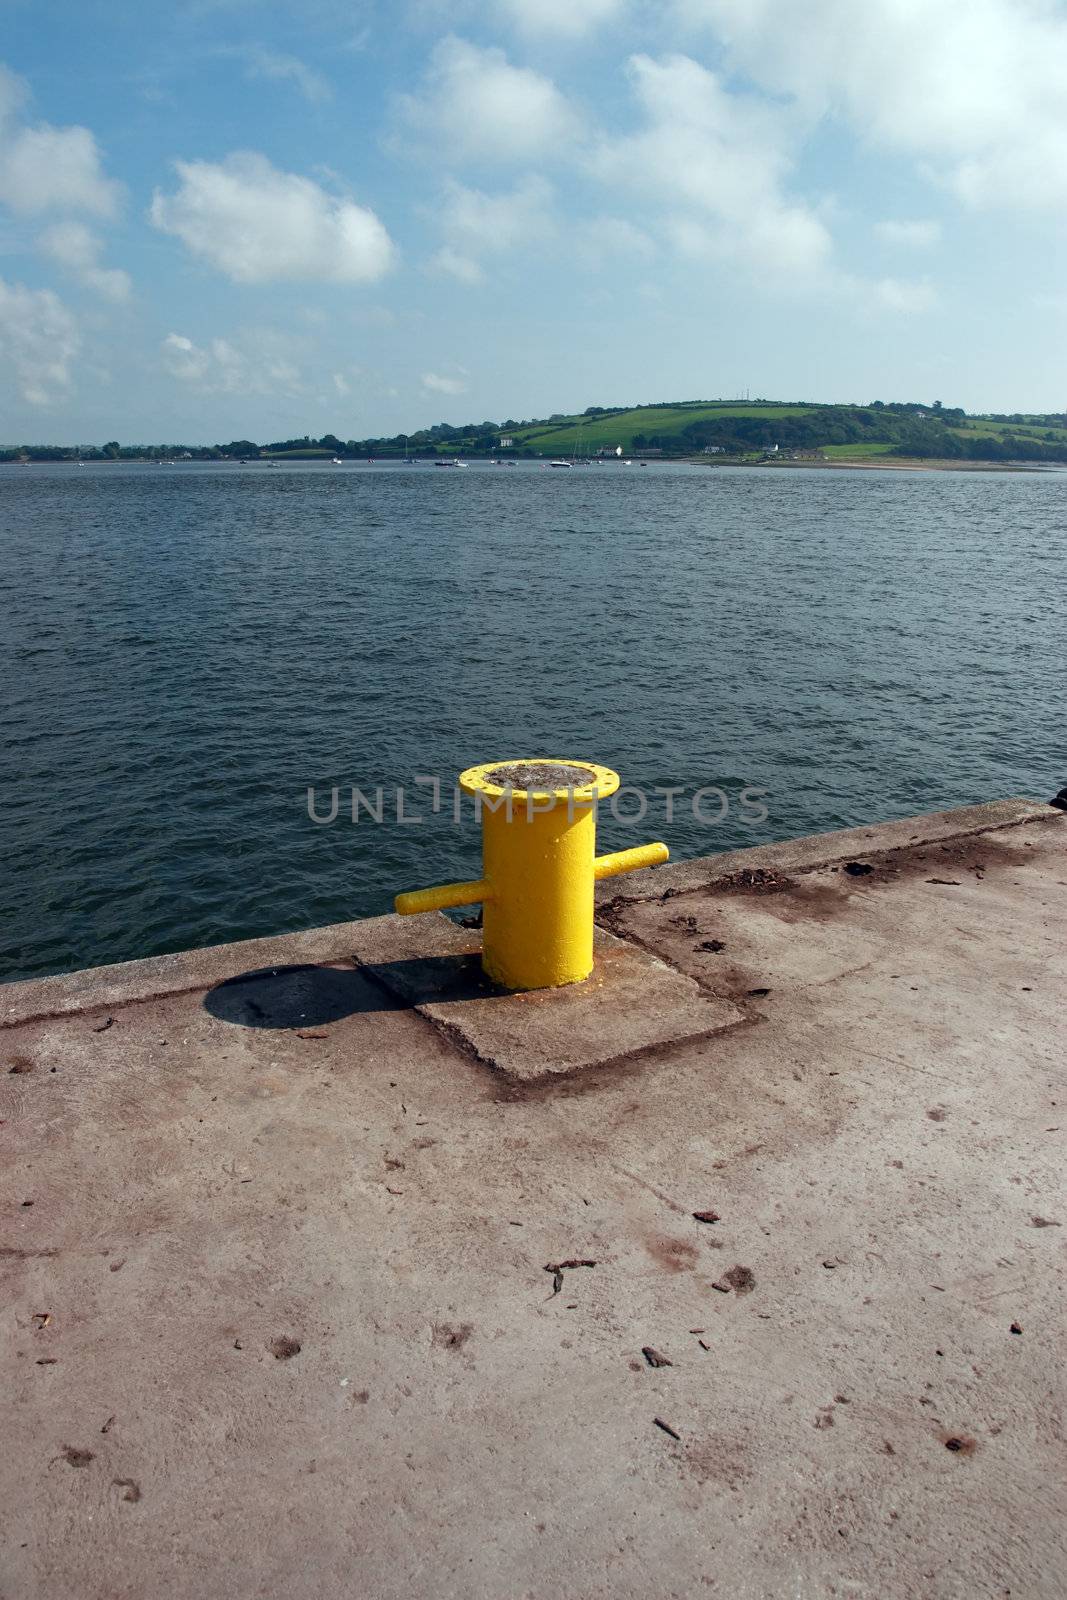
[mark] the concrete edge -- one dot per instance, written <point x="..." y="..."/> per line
<point x="96" y="988"/>
<point x="824" y="849"/>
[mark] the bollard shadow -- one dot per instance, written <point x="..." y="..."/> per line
<point x="310" y="996"/>
<point x="293" y="997"/>
<point x="440" y="980"/>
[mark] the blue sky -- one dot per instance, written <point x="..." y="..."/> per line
<point x="229" y="218"/>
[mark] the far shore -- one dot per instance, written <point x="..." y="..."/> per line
<point x="887" y="464"/>
<point x="851" y="464"/>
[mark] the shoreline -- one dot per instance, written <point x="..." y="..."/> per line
<point x="898" y="464"/>
<point x="851" y="464"/>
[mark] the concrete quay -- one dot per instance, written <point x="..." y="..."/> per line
<point x="327" y="1271"/>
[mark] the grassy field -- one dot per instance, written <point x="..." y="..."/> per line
<point x="298" y="455"/>
<point x="996" y="430"/>
<point x="855" y="452"/>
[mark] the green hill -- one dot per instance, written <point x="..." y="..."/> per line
<point x="592" y="433"/>
<point x="747" y="429"/>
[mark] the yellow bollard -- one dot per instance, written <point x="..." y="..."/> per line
<point x="539" y="865"/>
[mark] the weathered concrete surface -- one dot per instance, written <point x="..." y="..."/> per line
<point x="882" y="1140"/>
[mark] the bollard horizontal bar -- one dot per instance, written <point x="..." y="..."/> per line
<point x="642" y="855"/>
<point x="441" y="898"/>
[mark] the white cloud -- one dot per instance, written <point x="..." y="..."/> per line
<point x="259" y="225"/>
<point x="436" y="384"/>
<point x="77" y="249"/>
<point x="475" y="106"/>
<point x="38" y="341"/>
<point x="282" y="68"/>
<point x="476" y="224"/>
<point x="974" y="92"/>
<point x="603" y="241"/>
<point x="14" y="93"/>
<point x="496" y="222"/>
<point x="44" y="168"/>
<point x="463" y="268"/>
<point x="607" y="237"/>
<point x="1050" y="302"/>
<point x="909" y="235"/>
<point x="551" y="19"/>
<point x="183" y="359"/>
<point x="715" y="163"/>
<point x="259" y="363"/>
<point x="714" y="166"/>
<point x="896" y="294"/>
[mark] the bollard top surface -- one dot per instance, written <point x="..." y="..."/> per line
<point x="541" y="777"/>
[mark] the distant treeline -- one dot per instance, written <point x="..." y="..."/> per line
<point x="898" y="428"/>
<point x="930" y="441"/>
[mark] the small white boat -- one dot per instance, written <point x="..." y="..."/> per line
<point x="561" y="463"/>
<point x="337" y="462"/>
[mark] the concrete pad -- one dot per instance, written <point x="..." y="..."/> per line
<point x="632" y="1003"/>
